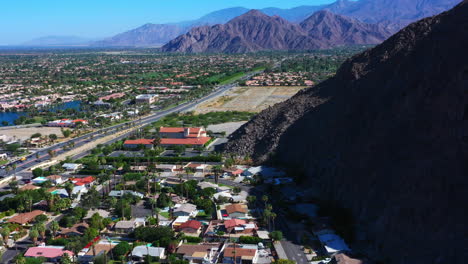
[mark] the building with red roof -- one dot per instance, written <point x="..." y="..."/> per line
<point x="50" y="253"/>
<point x="170" y="142"/>
<point x="190" y="228"/>
<point x="86" y="181"/>
<point x="136" y="143"/>
<point x="182" y="132"/>
<point x="25" y="218"/>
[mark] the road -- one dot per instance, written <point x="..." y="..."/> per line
<point x="43" y="154"/>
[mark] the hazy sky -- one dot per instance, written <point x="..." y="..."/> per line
<point x="23" y="20"/>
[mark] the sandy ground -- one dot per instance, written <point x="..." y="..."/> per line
<point x="26" y="133"/>
<point x="229" y="128"/>
<point x="250" y="99"/>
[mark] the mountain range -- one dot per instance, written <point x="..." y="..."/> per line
<point x="255" y="31"/>
<point x="393" y="14"/>
<point x="385" y="139"/>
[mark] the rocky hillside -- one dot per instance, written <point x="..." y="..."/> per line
<point x="386" y="138"/>
<point x="339" y="30"/>
<point x="395" y="14"/>
<point x="255" y="31"/>
<point x="252" y="31"/>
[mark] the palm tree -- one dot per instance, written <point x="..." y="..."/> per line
<point x="5" y="232"/>
<point x="16" y="237"/>
<point x="217" y="169"/>
<point x="273" y="217"/>
<point x="54" y="227"/>
<point x="41" y="229"/>
<point x="69" y="188"/>
<point x="14" y="170"/>
<point x="265" y="199"/>
<point x="33" y="235"/>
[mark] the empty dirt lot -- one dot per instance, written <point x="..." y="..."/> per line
<point x="27" y="132"/>
<point x="249" y="99"/>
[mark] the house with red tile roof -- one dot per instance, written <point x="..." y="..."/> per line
<point x="25" y="218"/>
<point x="136" y="143"/>
<point x="182" y="132"/>
<point x="183" y="136"/>
<point x="190" y="228"/>
<point x="237" y="210"/>
<point x="236" y="254"/>
<point x="194" y="142"/>
<point x="86" y="181"/>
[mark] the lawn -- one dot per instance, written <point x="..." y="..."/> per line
<point x="165" y="214"/>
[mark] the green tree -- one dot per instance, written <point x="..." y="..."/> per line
<point x="121" y="249"/>
<point x="54" y="228"/>
<point x="33" y="235"/>
<point x="38" y="172"/>
<point x="53" y="137"/>
<point x="66" y="133"/>
<point x="276" y="235"/>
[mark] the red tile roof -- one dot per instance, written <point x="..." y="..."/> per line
<point x="190" y="224"/>
<point x="236" y="208"/>
<point x="25" y="218"/>
<point x="233" y="223"/>
<point x="83" y="181"/>
<point x="192" y="130"/>
<point x="139" y="142"/>
<point x="239" y="252"/>
<point x="185" y="141"/>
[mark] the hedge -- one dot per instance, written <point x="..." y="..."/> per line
<point x="250" y="240"/>
<point x="166" y="159"/>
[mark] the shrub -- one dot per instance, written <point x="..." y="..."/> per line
<point x="193" y="239"/>
<point x="249" y="240"/>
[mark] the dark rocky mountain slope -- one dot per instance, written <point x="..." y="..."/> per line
<point x="387" y="138"/>
<point x="256" y="31"/>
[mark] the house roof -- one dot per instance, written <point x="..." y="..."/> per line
<point x="188" y="208"/>
<point x="193" y="130"/>
<point x="185" y="141"/>
<point x="54" y="177"/>
<point x="141" y="251"/>
<point x="193" y="224"/>
<point x="190" y="250"/>
<point x="236" y="208"/>
<point x="239" y="252"/>
<point x="125" y="224"/>
<point x="83" y="181"/>
<point x="139" y="142"/>
<point x="25" y="218"/>
<point x="47" y="252"/>
<point x="233" y="223"/>
<point x="29" y="187"/>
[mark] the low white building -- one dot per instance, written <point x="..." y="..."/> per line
<point x="139" y="252"/>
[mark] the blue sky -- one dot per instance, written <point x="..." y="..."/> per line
<point x="23" y="20"/>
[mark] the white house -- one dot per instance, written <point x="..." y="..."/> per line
<point x="139" y="252"/>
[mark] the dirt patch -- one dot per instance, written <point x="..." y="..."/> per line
<point x="26" y="133"/>
<point x="250" y="99"/>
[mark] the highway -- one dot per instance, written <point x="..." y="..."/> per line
<point x="43" y="154"/>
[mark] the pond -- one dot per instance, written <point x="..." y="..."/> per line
<point x="10" y="117"/>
